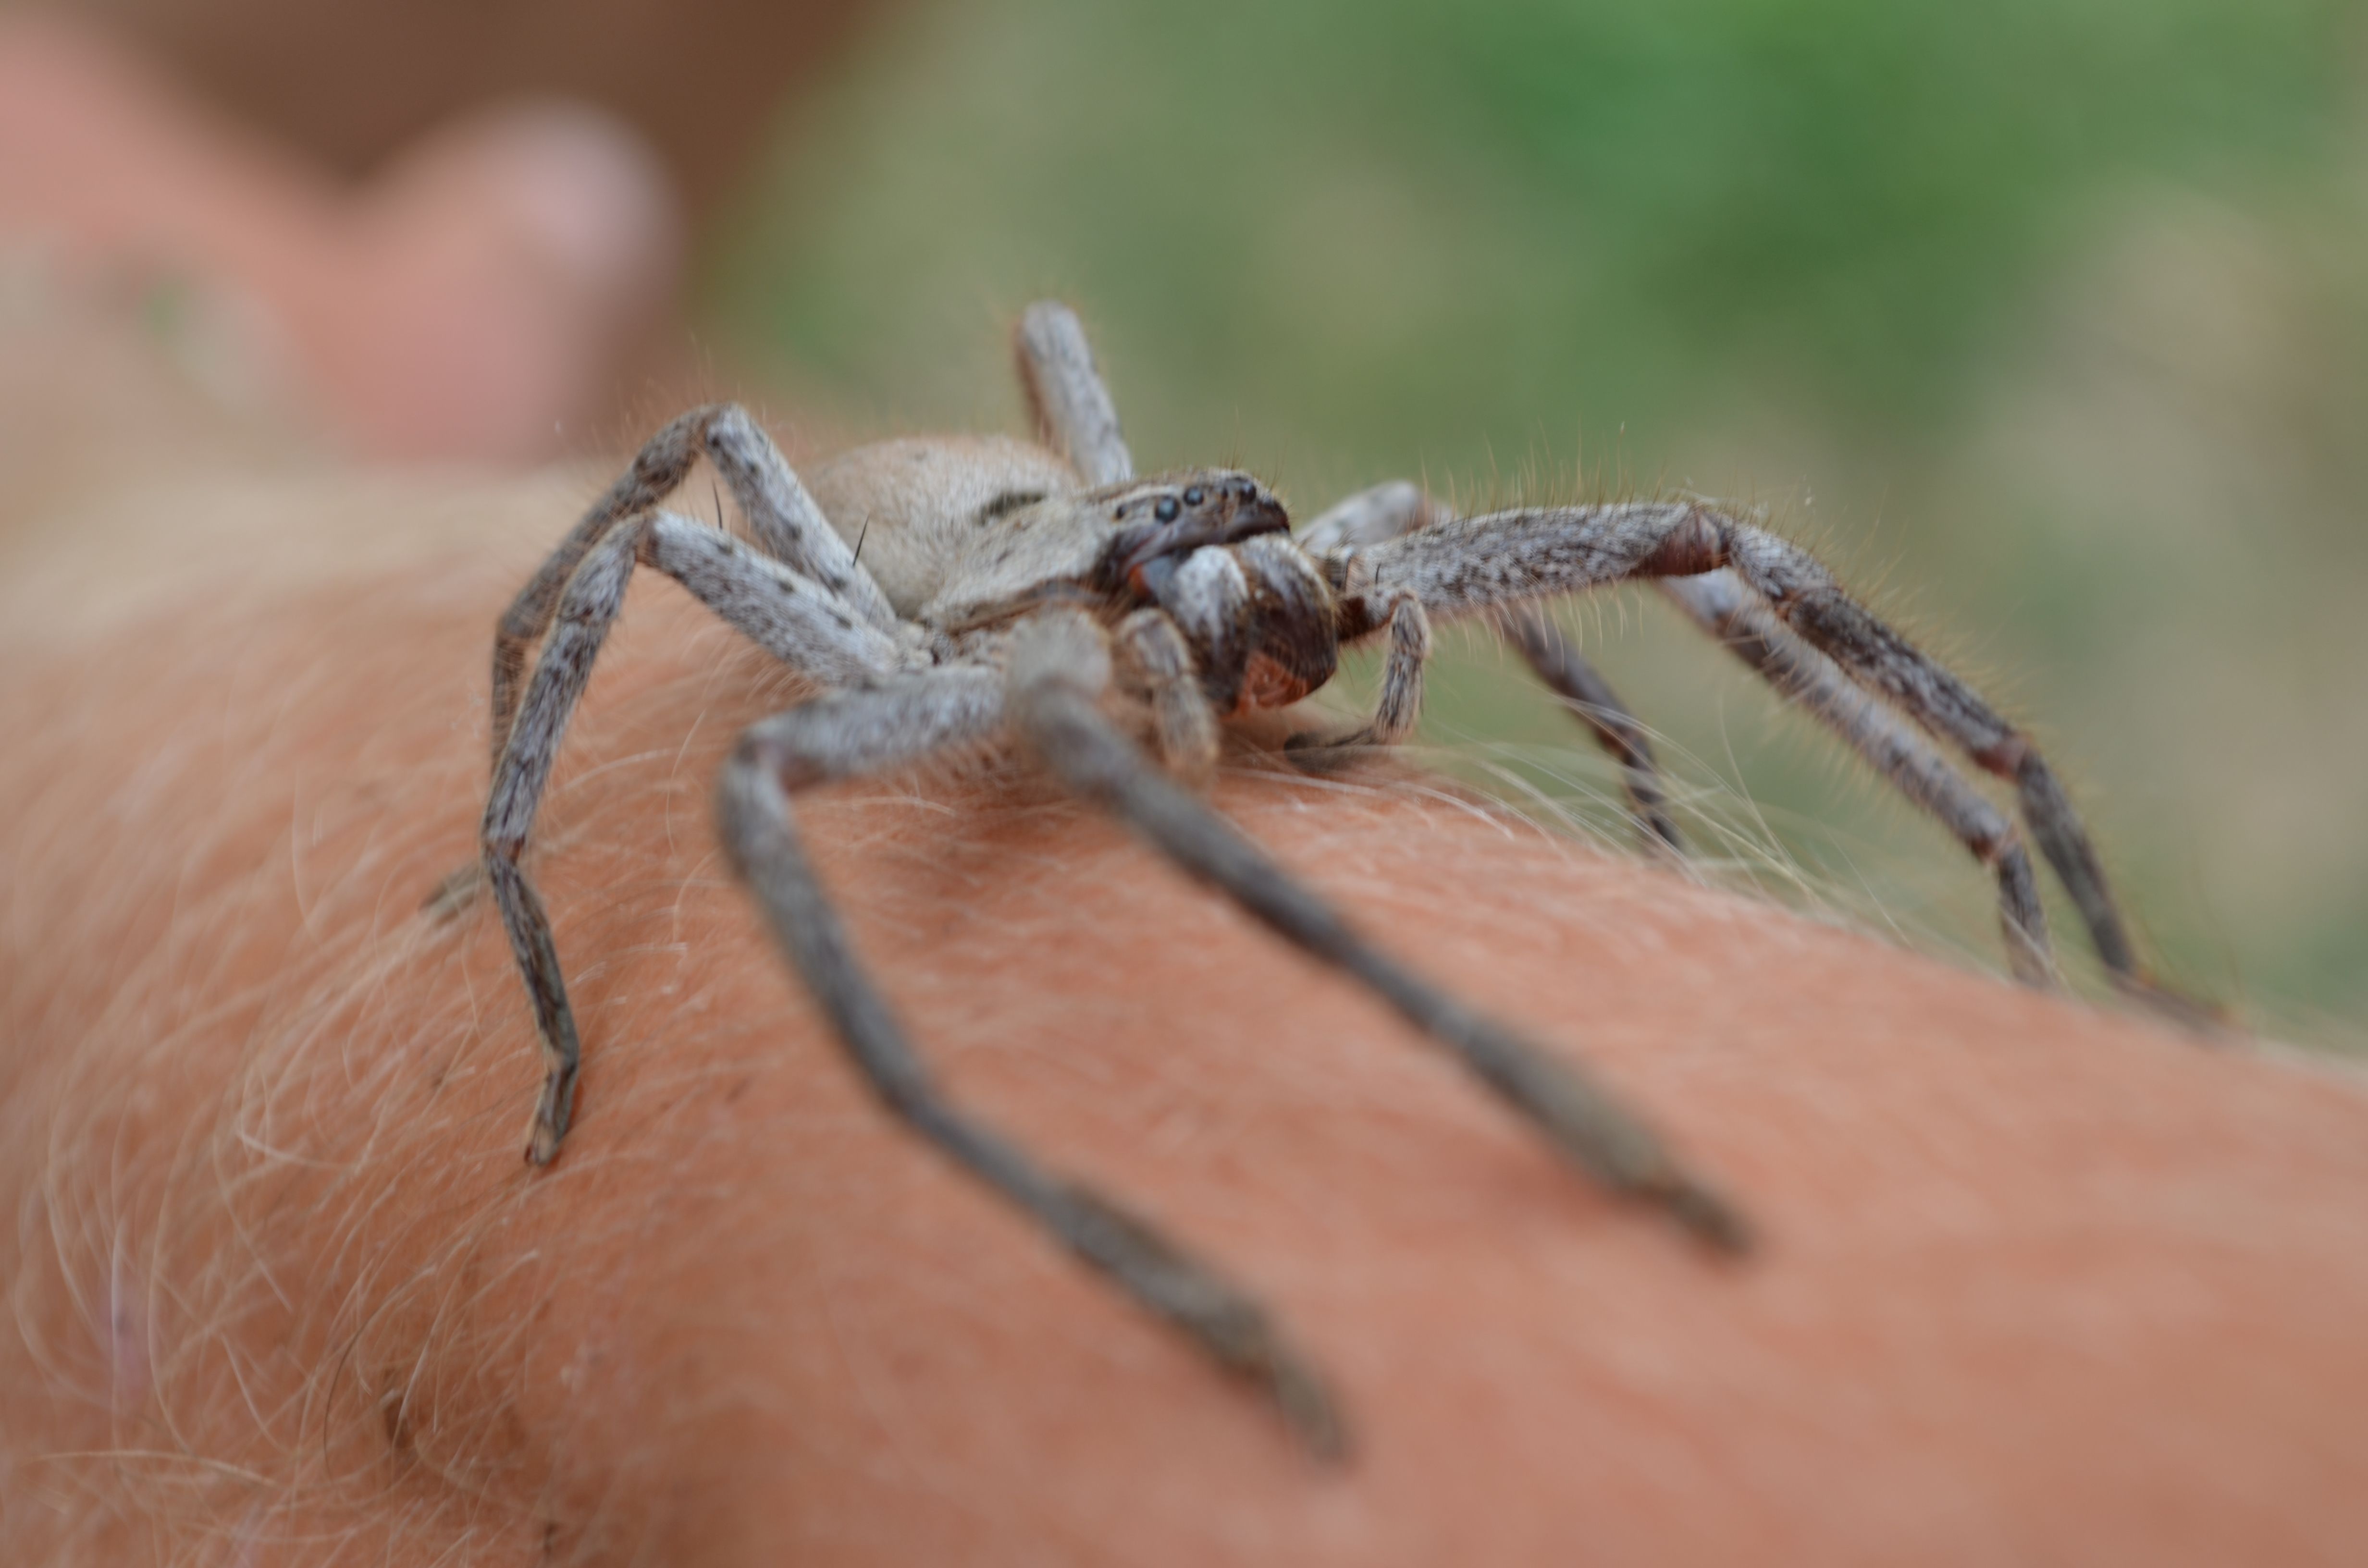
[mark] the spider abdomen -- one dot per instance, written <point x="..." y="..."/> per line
<point x="927" y="514"/>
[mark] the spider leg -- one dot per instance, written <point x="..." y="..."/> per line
<point x="1183" y="725"/>
<point x="1583" y="690"/>
<point x="1059" y="667"/>
<point x="833" y="737"/>
<point x="1746" y="628"/>
<point x="1074" y="411"/>
<point x="1400" y="704"/>
<point x="1380" y="512"/>
<point x="797" y="620"/>
<point x="781" y="516"/>
<point x="1072" y="407"/>
<point x="1056" y="713"/>
<point x="1387" y="510"/>
<point x="1468" y="565"/>
<point x="1401" y="700"/>
<point x="1722" y="606"/>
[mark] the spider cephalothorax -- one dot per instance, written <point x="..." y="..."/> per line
<point x="1216" y="557"/>
<point x="1168" y="520"/>
<point x="949" y="591"/>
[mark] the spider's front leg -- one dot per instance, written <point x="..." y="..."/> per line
<point x="1475" y="565"/>
<point x="897" y="722"/>
<point x="1183" y="726"/>
<point x="1723" y="606"/>
<point x="1074" y="412"/>
<point x="1745" y="627"/>
<point x="1398" y="506"/>
<point x="1060" y="666"/>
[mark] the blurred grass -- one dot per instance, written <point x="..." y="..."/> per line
<point x="2050" y="320"/>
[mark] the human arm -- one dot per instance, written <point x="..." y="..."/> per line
<point x="2036" y="1280"/>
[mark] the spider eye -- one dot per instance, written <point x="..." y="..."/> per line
<point x="1195" y="495"/>
<point x="1166" y="510"/>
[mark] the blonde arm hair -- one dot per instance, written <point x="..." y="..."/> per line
<point x="2037" y="1281"/>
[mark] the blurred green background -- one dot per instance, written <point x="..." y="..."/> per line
<point x="2046" y="320"/>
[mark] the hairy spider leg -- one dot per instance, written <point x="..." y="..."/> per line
<point x="1475" y="565"/>
<point x="1582" y="689"/>
<point x="1066" y="397"/>
<point x="897" y="718"/>
<point x="1059" y="667"/>
<point x="899" y="721"/>
<point x="782" y="518"/>
<point x="796" y="619"/>
<point x="1397" y="506"/>
<point x="1407" y="627"/>
<point x="1183" y="726"/>
<point x="1720" y="604"/>
<point x="1400" y="703"/>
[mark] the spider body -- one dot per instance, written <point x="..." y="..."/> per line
<point x="972" y="536"/>
<point x="949" y="591"/>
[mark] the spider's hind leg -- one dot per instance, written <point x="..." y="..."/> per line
<point x="784" y="519"/>
<point x="1073" y="410"/>
<point x="796" y="619"/>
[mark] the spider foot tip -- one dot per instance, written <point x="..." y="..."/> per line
<point x="1710" y="1218"/>
<point x="1311" y="1413"/>
<point x="543" y="1144"/>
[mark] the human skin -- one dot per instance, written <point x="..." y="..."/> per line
<point x="478" y="298"/>
<point x="352" y="84"/>
<point x="2036" y="1283"/>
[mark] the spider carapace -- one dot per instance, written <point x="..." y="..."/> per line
<point x="1209" y="549"/>
<point x="946" y="592"/>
